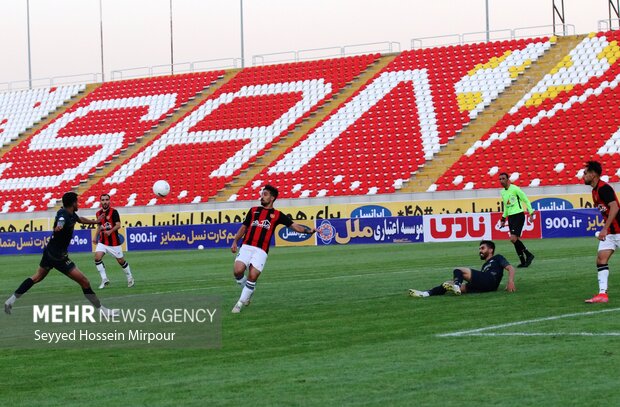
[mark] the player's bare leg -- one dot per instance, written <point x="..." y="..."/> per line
<point x="76" y="275"/>
<point x="39" y="275"/>
<point x="239" y="269"/>
<point x="248" y="290"/>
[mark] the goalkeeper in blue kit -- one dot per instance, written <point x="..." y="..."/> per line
<point x="515" y="203"/>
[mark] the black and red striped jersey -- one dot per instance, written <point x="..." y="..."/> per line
<point x="261" y="224"/>
<point x="111" y="218"/>
<point x="602" y="195"/>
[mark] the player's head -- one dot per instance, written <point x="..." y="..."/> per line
<point x="70" y="200"/>
<point x="487" y="249"/>
<point x="105" y="201"/>
<point x="504" y="179"/>
<point x="268" y="195"/>
<point x="593" y="171"/>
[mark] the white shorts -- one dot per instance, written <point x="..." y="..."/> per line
<point x="611" y="242"/>
<point x="116" y="251"/>
<point x="252" y="255"/>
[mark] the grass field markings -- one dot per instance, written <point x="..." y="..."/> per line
<point x="545" y="334"/>
<point x="473" y="332"/>
<point x="232" y="285"/>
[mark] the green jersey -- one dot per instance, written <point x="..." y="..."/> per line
<point x="515" y="201"/>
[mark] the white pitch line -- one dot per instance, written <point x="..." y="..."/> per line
<point x="545" y="334"/>
<point x="525" y="322"/>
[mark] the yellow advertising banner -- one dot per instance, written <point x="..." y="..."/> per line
<point x="330" y="211"/>
<point x="25" y="225"/>
<point x="288" y="237"/>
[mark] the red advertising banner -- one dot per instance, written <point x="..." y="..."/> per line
<point x="531" y="230"/>
<point x="457" y="227"/>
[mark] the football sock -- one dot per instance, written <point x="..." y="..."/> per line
<point x="519" y="244"/>
<point x="520" y="249"/>
<point x="439" y="290"/>
<point x="11" y="300"/>
<point x="126" y="269"/>
<point x="241" y="280"/>
<point x="91" y="297"/>
<point x="458" y="276"/>
<point x="24" y="286"/>
<point x="247" y="291"/>
<point x="603" y="275"/>
<point x="101" y="268"/>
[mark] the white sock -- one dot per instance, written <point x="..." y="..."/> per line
<point x="241" y="281"/>
<point x="603" y="275"/>
<point x="11" y="300"/>
<point x="425" y="294"/>
<point x="127" y="270"/>
<point x="247" y="291"/>
<point x="101" y="269"/>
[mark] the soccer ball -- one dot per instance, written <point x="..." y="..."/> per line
<point x="161" y="188"/>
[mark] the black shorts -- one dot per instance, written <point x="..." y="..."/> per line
<point x="482" y="282"/>
<point x="61" y="263"/>
<point x="515" y="223"/>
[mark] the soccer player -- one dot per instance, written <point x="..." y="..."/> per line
<point x="55" y="255"/>
<point x="605" y="199"/>
<point x="109" y="241"/>
<point x="515" y="201"/>
<point x="482" y="281"/>
<point x="257" y="228"/>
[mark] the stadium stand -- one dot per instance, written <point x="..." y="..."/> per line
<point x="68" y="149"/>
<point x="20" y="110"/>
<point x="567" y="118"/>
<point x="389" y="128"/>
<point x="386" y="131"/>
<point x="225" y="134"/>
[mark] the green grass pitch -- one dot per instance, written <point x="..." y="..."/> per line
<point x="334" y="326"/>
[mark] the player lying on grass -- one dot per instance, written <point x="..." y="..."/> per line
<point x="257" y="228"/>
<point x="478" y="281"/>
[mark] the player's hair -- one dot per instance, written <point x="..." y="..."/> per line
<point x="488" y="243"/>
<point x="102" y="195"/>
<point x="504" y="173"/>
<point x="272" y="190"/>
<point x="594" y="166"/>
<point x="69" y="198"/>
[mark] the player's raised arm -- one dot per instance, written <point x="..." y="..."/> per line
<point x="302" y="228"/>
<point x="87" y="221"/>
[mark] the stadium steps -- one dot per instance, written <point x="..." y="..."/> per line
<point x="106" y="168"/>
<point x="450" y="153"/>
<point x="302" y="129"/>
<point x="49" y="118"/>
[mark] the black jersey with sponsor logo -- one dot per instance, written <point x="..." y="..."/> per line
<point x="602" y="195"/>
<point x="59" y="243"/>
<point x="261" y="223"/>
